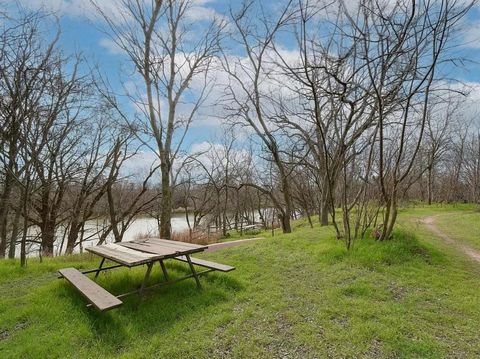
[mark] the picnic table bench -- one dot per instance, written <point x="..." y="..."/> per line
<point x="136" y="253"/>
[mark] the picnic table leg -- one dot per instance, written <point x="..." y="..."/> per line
<point x="164" y="270"/>
<point x="99" y="267"/>
<point x="193" y="271"/>
<point x="146" y="278"/>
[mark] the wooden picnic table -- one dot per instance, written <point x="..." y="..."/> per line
<point x="137" y="253"/>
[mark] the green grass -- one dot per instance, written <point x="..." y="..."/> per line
<point x="297" y="295"/>
<point x="464" y="227"/>
<point x="234" y="235"/>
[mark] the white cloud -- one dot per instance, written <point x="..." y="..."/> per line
<point x="200" y="147"/>
<point x="213" y="155"/>
<point x="471" y="36"/>
<point x="202" y="2"/>
<point x="84" y="8"/>
<point x="467" y="94"/>
<point x="200" y="13"/>
<point x="210" y="154"/>
<point x="139" y="164"/>
<point x="74" y="8"/>
<point x="111" y="46"/>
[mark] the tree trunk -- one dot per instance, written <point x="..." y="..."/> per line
<point x="286" y="227"/>
<point x="4" y="203"/>
<point x="3" y="233"/>
<point x="166" y="210"/>
<point x="309" y="217"/>
<point x="288" y="205"/>
<point x="390" y="217"/>
<point x="15" y="231"/>
<point x="48" y="237"/>
<point x="430" y="186"/>
<point x="23" y="244"/>
<point x="325" y="207"/>
<point x="285" y="220"/>
<point x="72" y="236"/>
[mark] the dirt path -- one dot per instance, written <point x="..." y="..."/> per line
<point x="469" y="251"/>
<point x="216" y="246"/>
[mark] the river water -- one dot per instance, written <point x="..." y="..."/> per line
<point x="142" y="226"/>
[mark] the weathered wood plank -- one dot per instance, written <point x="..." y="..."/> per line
<point x="176" y="244"/>
<point x="98" y="296"/>
<point x="151" y="248"/>
<point x="129" y="251"/>
<point x="123" y="255"/>
<point x="166" y="250"/>
<point x="207" y="264"/>
<point x="114" y="255"/>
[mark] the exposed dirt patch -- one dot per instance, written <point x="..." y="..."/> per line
<point x="397" y="292"/>
<point x="5" y="334"/>
<point x="429" y="222"/>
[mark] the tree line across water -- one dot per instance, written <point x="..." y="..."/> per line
<point x="330" y="111"/>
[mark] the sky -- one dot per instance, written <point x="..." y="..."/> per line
<point x="81" y="32"/>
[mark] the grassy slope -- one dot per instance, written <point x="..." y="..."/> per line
<point x="297" y="295"/>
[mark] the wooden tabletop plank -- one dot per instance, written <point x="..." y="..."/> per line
<point x="119" y="247"/>
<point x="122" y="254"/>
<point x="179" y="247"/>
<point x="112" y="255"/>
<point x="99" y="297"/>
<point x="170" y="243"/>
<point x="143" y="251"/>
<point x="165" y="249"/>
<point x="176" y="244"/>
<point x="151" y="248"/>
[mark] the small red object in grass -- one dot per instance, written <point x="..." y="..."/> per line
<point x="377" y="233"/>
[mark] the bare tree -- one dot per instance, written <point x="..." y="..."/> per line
<point x="248" y="99"/>
<point x="401" y="69"/>
<point x="328" y="108"/>
<point x="440" y="124"/>
<point x="125" y="199"/>
<point x="169" y="53"/>
<point x="24" y="62"/>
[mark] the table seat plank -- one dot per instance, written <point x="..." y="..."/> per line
<point x="99" y="297"/>
<point x="207" y="264"/>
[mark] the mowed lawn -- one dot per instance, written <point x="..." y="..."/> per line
<point x="300" y="295"/>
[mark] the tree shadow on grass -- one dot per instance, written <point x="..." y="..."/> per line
<point x="179" y="304"/>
